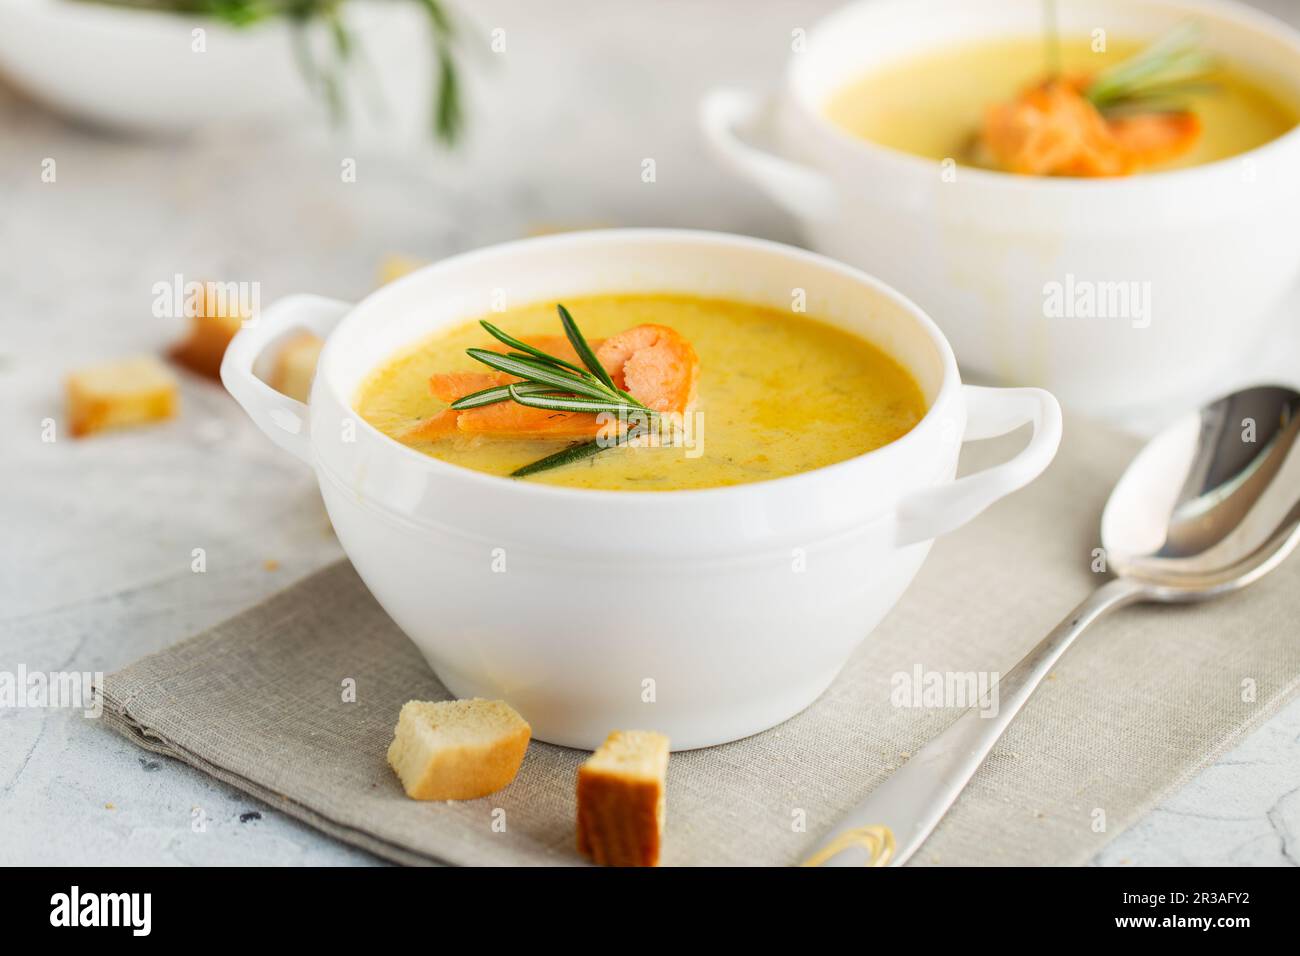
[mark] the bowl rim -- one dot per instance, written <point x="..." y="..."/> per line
<point x="946" y="395"/>
<point x="1250" y="17"/>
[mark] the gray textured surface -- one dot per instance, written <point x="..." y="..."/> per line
<point x="95" y="537"/>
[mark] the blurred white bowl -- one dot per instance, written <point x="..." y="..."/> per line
<point x="1219" y="244"/>
<point x="142" y="71"/>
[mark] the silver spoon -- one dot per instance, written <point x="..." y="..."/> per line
<point x="1210" y="505"/>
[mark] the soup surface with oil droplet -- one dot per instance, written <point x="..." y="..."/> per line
<point x="778" y="394"/>
<point x="932" y="105"/>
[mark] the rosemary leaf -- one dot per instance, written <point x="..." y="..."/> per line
<point x="342" y="39"/>
<point x="448" y="114"/>
<point x="497" y="393"/>
<point x="1175" y="59"/>
<point x="579" y="343"/>
<point x="570" y="403"/>
<point x="545" y="373"/>
<point x="574" y="453"/>
<point x="520" y="345"/>
<point x="1157" y="101"/>
<point x="438" y="17"/>
<point x="551" y="360"/>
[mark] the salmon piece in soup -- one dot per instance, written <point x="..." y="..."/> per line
<point x="654" y="365"/>
<point x="1152" y="138"/>
<point x="436" y="426"/>
<point x="508" y="420"/>
<point x="449" y="386"/>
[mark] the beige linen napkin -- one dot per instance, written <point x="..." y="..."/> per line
<point x="1149" y="696"/>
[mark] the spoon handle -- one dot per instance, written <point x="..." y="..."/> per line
<point x="895" y="818"/>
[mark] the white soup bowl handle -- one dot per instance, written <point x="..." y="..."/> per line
<point x="281" y="418"/>
<point x="990" y="412"/>
<point x="800" y="190"/>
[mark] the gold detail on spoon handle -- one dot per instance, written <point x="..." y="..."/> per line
<point x="877" y="840"/>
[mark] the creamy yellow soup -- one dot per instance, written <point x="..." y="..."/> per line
<point x="933" y="104"/>
<point x="778" y="394"/>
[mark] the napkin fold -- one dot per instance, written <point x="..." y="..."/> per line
<point x="295" y="700"/>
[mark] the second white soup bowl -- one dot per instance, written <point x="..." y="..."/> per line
<point x="1208" y="251"/>
<point x="707" y="615"/>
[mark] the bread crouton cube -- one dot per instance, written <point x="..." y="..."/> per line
<point x="457" y="749"/>
<point x="132" y="391"/>
<point x="295" y="365"/>
<point x="621" y="801"/>
<point x="211" y="329"/>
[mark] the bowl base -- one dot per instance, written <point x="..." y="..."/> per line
<point x="559" y="721"/>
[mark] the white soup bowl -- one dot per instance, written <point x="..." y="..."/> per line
<point x="707" y="615"/>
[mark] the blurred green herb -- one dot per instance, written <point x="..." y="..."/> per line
<point x="448" y="117"/>
<point x="1158" y="78"/>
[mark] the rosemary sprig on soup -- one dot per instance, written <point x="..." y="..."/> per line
<point x="550" y="381"/>
<point x="553" y="384"/>
<point x="1099" y="106"/>
<point x="782" y="393"/>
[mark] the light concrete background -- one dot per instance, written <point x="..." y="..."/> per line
<point x="96" y="536"/>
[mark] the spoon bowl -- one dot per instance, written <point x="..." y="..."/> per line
<point x="1212" y="503"/>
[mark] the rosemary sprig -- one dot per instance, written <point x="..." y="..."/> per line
<point x="551" y="383"/>
<point x="1171" y="67"/>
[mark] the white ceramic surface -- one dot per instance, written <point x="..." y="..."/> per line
<point x="146" y="71"/>
<point x="1218" y="244"/>
<point x="577" y="606"/>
